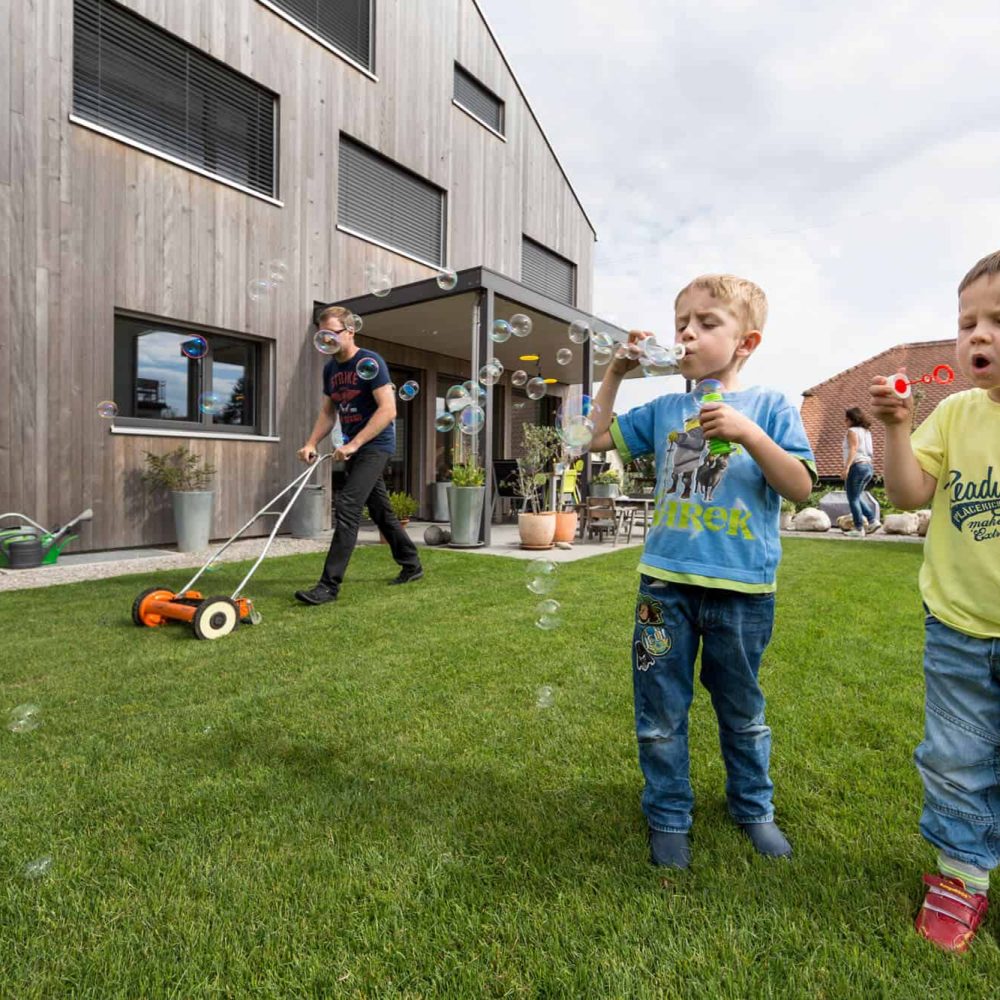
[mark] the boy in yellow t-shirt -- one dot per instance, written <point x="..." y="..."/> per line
<point x="954" y="458"/>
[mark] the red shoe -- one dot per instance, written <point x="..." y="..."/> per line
<point x="951" y="914"/>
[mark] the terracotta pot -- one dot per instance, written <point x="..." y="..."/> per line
<point x="537" y="531"/>
<point x="566" y="523"/>
<point x="402" y="524"/>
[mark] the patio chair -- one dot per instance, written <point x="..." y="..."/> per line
<point x="604" y="517"/>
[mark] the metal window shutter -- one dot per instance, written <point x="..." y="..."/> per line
<point x="547" y="272"/>
<point x="345" y="24"/>
<point x="389" y="204"/>
<point x="135" y="79"/>
<point x="471" y="94"/>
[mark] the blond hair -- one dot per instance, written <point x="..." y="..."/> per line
<point x="741" y="296"/>
<point x="986" y="268"/>
<point x="337" y="312"/>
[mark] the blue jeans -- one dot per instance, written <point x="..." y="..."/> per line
<point x="734" y="630"/>
<point x="959" y="758"/>
<point x="859" y="475"/>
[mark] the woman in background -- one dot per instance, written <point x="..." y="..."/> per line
<point x="858" y="471"/>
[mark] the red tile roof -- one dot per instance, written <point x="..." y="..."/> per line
<point x="824" y="404"/>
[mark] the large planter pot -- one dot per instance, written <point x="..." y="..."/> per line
<point x="537" y="531"/>
<point x="604" y="490"/>
<point x="566" y="523"/>
<point x="465" y="509"/>
<point x="193" y="519"/>
<point x="439" y="501"/>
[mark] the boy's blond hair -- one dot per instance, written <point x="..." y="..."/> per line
<point x="337" y="312"/>
<point x="987" y="267"/>
<point x="744" y="299"/>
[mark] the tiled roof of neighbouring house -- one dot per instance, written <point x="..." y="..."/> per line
<point x="824" y="404"/>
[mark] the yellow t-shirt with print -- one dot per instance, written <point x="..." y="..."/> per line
<point x="959" y="445"/>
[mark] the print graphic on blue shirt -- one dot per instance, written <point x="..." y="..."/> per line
<point x="354" y="398"/>
<point x="714" y="516"/>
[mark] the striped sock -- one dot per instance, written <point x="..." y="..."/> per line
<point x="975" y="879"/>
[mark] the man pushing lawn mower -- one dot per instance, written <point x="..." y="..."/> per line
<point x="358" y="392"/>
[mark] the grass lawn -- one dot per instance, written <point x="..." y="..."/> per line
<point x="366" y="800"/>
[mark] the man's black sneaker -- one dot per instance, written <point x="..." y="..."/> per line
<point x="318" y="595"/>
<point x="408" y="576"/>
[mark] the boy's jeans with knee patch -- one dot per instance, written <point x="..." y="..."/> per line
<point x="733" y="630"/>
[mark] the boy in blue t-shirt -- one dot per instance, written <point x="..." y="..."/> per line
<point x="709" y="561"/>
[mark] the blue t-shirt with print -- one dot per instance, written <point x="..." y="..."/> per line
<point x="354" y="397"/>
<point x="715" y="520"/>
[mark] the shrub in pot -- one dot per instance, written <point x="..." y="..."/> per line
<point x="606" y="484"/>
<point x="185" y="476"/>
<point x="465" y="503"/>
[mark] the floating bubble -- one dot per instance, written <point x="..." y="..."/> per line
<point x="38" y="868"/>
<point x="277" y="271"/>
<point x="544" y="697"/>
<point x="601" y="357"/>
<point x="326" y="342"/>
<point x="444" y="422"/>
<point x="500" y="331"/>
<point x="408" y="391"/>
<point x="210" y="403"/>
<point x="488" y="375"/>
<point x="497" y="364"/>
<point x="356" y="322"/>
<point x="457" y="398"/>
<point x="447" y="279"/>
<point x="24" y="718"/>
<point x="471" y="420"/>
<point x="602" y="341"/>
<point x="195" y="347"/>
<point x="536" y="388"/>
<point x="108" y="409"/>
<point x="477" y="394"/>
<point x="519" y="378"/>
<point x="705" y="388"/>
<point x="520" y="325"/>
<point x="564" y="356"/>
<point x="541" y="576"/>
<point x="548" y="614"/>
<point x="257" y="288"/>
<point x="579" y="331"/>
<point x="379" y="283"/>
<point x="367" y="369"/>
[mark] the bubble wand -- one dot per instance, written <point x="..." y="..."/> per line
<point x="900" y="384"/>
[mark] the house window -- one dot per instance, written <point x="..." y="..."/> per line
<point x="389" y="205"/>
<point x="179" y="378"/>
<point x="547" y="272"/>
<point x="144" y="86"/>
<point x="481" y="103"/>
<point x="343" y="25"/>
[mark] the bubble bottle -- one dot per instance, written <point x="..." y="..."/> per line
<point x="709" y="390"/>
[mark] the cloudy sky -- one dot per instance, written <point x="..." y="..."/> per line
<point x="846" y="158"/>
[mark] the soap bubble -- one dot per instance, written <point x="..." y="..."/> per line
<point x="108" y="409"/>
<point x="575" y="420"/>
<point x="579" y="331"/>
<point x="38" y="868"/>
<point x="544" y="698"/>
<point x="210" y="403"/>
<point x="477" y="394"/>
<point x="195" y="347"/>
<point x="379" y="283"/>
<point x="520" y="325"/>
<point x="356" y="322"/>
<point x="326" y="342"/>
<point x="601" y="357"/>
<point x="277" y="271"/>
<point x="541" y="576"/>
<point x="602" y="341"/>
<point x="408" y="390"/>
<point x="488" y="375"/>
<point x="705" y="388"/>
<point x="500" y="331"/>
<point x="519" y="379"/>
<point x="447" y="279"/>
<point x="457" y="398"/>
<point x="24" y="718"/>
<point x="257" y="288"/>
<point x="536" y="388"/>
<point x="471" y="420"/>
<point x="548" y="615"/>
<point x="444" y="422"/>
<point x="368" y="369"/>
<point x="497" y="364"/>
<point x="564" y="356"/>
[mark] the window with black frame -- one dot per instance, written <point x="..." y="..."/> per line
<point x="183" y="379"/>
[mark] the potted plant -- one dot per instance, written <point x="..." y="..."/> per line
<point x="403" y="506"/>
<point x="466" y="495"/>
<point x="540" y="447"/>
<point x="185" y="476"/>
<point x="606" y="484"/>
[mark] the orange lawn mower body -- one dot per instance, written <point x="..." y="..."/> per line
<point x="215" y="617"/>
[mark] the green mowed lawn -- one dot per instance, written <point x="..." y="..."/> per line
<point x="366" y="799"/>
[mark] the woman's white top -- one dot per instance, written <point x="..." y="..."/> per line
<point x="865" y="452"/>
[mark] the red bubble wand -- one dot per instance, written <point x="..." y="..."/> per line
<point x="942" y="374"/>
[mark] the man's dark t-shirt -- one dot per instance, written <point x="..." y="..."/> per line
<point x="355" y="399"/>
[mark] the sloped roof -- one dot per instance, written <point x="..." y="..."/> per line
<point x="824" y="404"/>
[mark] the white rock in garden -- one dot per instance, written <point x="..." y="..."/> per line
<point x="923" y="521"/>
<point x="900" y="524"/>
<point x="812" y="519"/>
<point x="845" y="522"/>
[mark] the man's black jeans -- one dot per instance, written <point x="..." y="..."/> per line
<point x="363" y="485"/>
